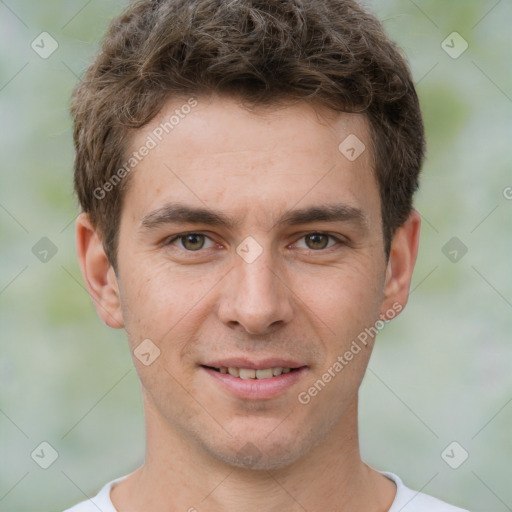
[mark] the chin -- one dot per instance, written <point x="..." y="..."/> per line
<point x="252" y="458"/>
<point x="261" y="452"/>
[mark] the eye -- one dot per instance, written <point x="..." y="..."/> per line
<point x="319" y="241"/>
<point x="194" y="242"/>
<point x="191" y="241"/>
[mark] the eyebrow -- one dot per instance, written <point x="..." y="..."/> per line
<point x="175" y="213"/>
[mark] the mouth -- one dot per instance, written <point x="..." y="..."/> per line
<point x="262" y="383"/>
<point x="251" y="373"/>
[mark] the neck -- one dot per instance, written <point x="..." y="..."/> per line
<point x="179" y="474"/>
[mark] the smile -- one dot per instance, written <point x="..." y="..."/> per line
<point x="250" y="373"/>
<point x="254" y="384"/>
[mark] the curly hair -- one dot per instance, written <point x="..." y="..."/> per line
<point x="264" y="53"/>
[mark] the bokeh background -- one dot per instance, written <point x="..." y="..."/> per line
<point x="440" y="373"/>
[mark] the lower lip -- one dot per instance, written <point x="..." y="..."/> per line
<point x="256" y="389"/>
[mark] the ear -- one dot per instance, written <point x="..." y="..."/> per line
<point x="402" y="258"/>
<point x="98" y="274"/>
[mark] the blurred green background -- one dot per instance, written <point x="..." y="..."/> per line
<point x="441" y="372"/>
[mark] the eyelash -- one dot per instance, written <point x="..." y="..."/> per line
<point x="339" y="241"/>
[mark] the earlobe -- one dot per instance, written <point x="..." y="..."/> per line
<point x="98" y="274"/>
<point x="402" y="258"/>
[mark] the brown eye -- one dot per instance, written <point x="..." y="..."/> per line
<point x="192" y="242"/>
<point x="317" y="241"/>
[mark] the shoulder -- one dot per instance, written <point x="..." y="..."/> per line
<point x="99" y="502"/>
<point x="407" y="500"/>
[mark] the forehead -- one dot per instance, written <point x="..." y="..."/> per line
<point x="215" y="153"/>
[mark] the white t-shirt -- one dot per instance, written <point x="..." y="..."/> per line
<point x="406" y="500"/>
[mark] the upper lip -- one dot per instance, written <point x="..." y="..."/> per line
<point x="242" y="362"/>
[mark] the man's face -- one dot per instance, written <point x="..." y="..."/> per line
<point x="296" y="292"/>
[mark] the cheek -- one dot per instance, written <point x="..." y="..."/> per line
<point x="344" y="298"/>
<point x="162" y="303"/>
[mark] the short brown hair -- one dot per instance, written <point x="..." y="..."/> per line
<point x="263" y="52"/>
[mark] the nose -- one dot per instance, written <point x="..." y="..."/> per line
<point x="256" y="298"/>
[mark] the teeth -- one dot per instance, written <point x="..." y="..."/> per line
<point x="248" y="373"/>
<point x="234" y="372"/>
<point x="264" y="374"/>
<point x="245" y="373"/>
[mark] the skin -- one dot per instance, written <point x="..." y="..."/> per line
<point x="297" y="299"/>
